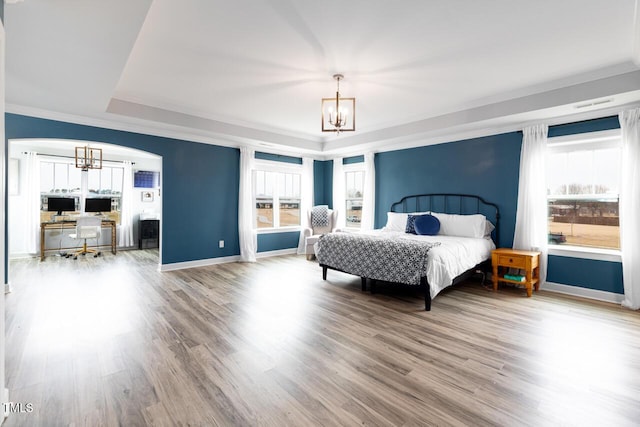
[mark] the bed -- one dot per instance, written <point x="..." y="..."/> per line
<point x="469" y="228"/>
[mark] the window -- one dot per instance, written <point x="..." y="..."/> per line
<point x="354" y="181"/>
<point x="583" y="191"/>
<point x="64" y="179"/>
<point x="277" y="198"/>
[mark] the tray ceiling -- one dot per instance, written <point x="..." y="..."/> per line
<point x="255" y="71"/>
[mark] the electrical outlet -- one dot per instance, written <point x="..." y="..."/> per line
<point x="221" y="244"/>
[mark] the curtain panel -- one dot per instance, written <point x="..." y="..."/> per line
<point x="306" y="200"/>
<point x="630" y="207"/>
<point x="31" y="232"/>
<point x="126" y="208"/>
<point x="339" y="205"/>
<point x="369" y="193"/>
<point x="246" y="233"/>
<point x="531" y="214"/>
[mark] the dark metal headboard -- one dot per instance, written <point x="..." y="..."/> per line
<point x="464" y="204"/>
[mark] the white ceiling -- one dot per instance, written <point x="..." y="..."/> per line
<point x="253" y="71"/>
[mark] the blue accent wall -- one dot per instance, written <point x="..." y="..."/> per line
<point x="352" y="160"/>
<point x="200" y="185"/>
<point x="595" y="125"/>
<point x="323" y="182"/>
<point x="277" y="241"/>
<point x="278" y="158"/>
<point x="487" y="167"/>
<point x="586" y="273"/>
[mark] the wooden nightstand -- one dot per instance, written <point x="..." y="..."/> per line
<point x="529" y="261"/>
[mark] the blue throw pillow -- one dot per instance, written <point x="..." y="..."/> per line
<point x="426" y="225"/>
<point x="410" y="227"/>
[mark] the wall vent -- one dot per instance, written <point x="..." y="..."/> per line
<point x="594" y="103"/>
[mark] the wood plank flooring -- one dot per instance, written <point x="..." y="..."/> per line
<point x="112" y="341"/>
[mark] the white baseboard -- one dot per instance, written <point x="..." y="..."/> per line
<point x="583" y="292"/>
<point x="198" y="263"/>
<point x="290" y="251"/>
<point x="222" y="260"/>
<point x="22" y="255"/>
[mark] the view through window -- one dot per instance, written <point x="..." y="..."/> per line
<point x="583" y="193"/>
<point x="354" y="181"/>
<point x="60" y="179"/>
<point x="277" y="199"/>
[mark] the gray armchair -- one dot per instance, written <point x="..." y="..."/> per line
<point x="312" y="235"/>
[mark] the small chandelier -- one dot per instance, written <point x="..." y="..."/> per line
<point x="338" y="114"/>
<point x="88" y="158"/>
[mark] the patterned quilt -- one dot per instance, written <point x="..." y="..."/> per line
<point x="386" y="258"/>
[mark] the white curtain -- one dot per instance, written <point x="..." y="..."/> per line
<point x="338" y="193"/>
<point x="246" y="232"/>
<point x="306" y="200"/>
<point x="369" y="193"/>
<point x="629" y="207"/>
<point x="31" y="231"/>
<point x="531" y="215"/>
<point x="126" y="209"/>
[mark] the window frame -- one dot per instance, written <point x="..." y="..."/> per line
<point x="277" y="167"/>
<point x="116" y="199"/>
<point x="588" y="140"/>
<point x="352" y="167"/>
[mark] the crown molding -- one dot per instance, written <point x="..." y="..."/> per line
<point x="602" y="97"/>
<point x="164" y="130"/>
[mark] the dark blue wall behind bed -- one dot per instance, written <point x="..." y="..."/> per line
<point x="487" y="167"/>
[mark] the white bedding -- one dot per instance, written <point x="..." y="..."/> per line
<point x="452" y="257"/>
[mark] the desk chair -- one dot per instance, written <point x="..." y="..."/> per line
<point x="87" y="227"/>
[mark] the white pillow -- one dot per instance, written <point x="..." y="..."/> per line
<point x="461" y="225"/>
<point x="488" y="228"/>
<point x="397" y="221"/>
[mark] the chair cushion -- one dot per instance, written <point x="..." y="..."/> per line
<point x="328" y="228"/>
<point x="312" y="239"/>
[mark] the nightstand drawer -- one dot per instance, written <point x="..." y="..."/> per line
<point x="511" y="261"/>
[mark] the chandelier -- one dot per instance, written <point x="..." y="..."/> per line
<point x="338" y="114"/>
<point x="88" y="158"/>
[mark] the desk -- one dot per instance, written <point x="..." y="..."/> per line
<point x="71" y="224"/>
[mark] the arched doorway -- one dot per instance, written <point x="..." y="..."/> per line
<point x="56" y="175"/>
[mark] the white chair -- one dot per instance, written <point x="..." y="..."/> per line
<point x="312" y="234"/>
<point x="87" y="227"/>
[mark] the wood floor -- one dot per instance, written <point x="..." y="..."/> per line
<point x="112" y="341"/>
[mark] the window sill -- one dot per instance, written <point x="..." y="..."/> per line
<point x="612" y="255"/>
<point x="278" y="230"/>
